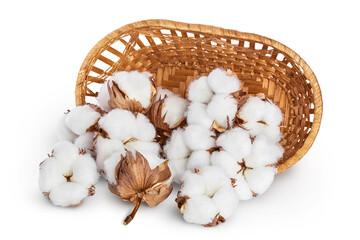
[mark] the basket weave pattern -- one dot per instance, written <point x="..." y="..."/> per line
<point x="178" y="53"/>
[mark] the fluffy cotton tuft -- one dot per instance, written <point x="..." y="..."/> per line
<point x="103" y="96"/>
<point x="162" y="92"/>
<point x="198" y="137"/>
<point x="105" y="148"/>
<point x="197" y="114"/>
<point x="221" y="82"/>
<point x="79" y="119"/>
<point x="85" y="141"/>
<point x="199" y="91"/>
<point x="225" y="161"/>
<point x="136" y="85"/>
<point x="174" y="109"/>
<point x="242" y="189"/>
<point x="63" y="132"/>
<point x="222" y="107"/>
<point x="118" y="124"/>
<point x="200" y="209"/>
<point x="235" y="141"/>
<point x="143" y="129"/>
<point x="198" y="159"/>
<point x="214" y="179"/>
<point x="109" y="167"/>
<point x="177" y="167"/>
<point x="192" y="184"/>
<point x="68" y="194"/>
<point x="260" y="179"/>
<point x="176" y="147"/>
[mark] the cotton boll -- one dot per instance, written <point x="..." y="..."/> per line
<point x="260" y="179"/>
<point x="271" y="132"/>
<point x="198" y="159"/>
<point x="136" y="85"/>
<point x="200" y="210"/>
<point x="50" y="174"/>
<point x="63" y="132"/>
<point x="143" y="146"/>
<point x="81" y="118"/>
<point x="242" y="189"/>
<point x="153" y="158"/>
<point x="192" y="184"/>
<point x="235" y="141"/>
<point x="214" y="179"/>
<point x="198" y="137"/>
<point x="225" y="200"/>
<point x="174" y="109"/>
<point x="199" y="91"/>
<point x="68" y="194"/>
<point x="109" y="167"/>
<point x="178" y="167"/>
<point x="221" y="83"/>
<point x="197" y="114"/>
<point x="85" y="171"/>
<point x="118" y="124"/>
<point x="85" y="141"/>
<point x="176" y="148"/>
<point x="143" y="129"/>
<point x="162" y="92"/>
<point x="103" y="96"/>
<point x="264" y="152"/>
<point x="105" y="148"/>
<point x="225" y="161"/>
<point x="221" y="108"/>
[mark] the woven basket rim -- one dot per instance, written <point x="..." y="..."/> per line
<point x="217" y="31"/>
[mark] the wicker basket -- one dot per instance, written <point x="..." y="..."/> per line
<point x="177" y="53"/>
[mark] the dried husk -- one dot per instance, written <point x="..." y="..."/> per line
<point x="137" y="182"/>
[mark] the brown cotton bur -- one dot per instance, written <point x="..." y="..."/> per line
<point x="119" y="99"/>
<point x="137" y="182"/>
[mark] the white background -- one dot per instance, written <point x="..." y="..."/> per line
<point x="43" y="44"/>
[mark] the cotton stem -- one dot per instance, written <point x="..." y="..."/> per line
<point x="131" y="216"/>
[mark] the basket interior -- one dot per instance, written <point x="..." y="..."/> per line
<point x="177" y="57"/>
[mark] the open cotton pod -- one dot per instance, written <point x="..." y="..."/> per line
<point x="68" y="175"/>
<point x="134" y="91"/>
<point x="206" y="196"/>
<point x="136" y="181"/>
<point x="167" y="113"/>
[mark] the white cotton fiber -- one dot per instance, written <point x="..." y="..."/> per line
<point x="176" y="148"/>
<point x="263" y="152"/>
<point x="200" y="210"/>
<point x="103" y="96"/>
<point x="63" y="132"/>
<point x="199" y="91"/>
<point x="67" y="153"/>
<point x="109" y="167"/>
<point x="242" y="189"/>
<point x="81" y="118"/>
<point x="271" y="132"/>
<point x="198" y="137"/>
<point x="118" y="124"/>
<point x="136" y="85"/>
<point x="68" y="194"/>
<point x="105" y="148"/>
<point x="225" y="161"/>
<point x="143" y="146"/>
<point x="85" y="171"/>
<point x="260" y="179"/>
<point x="198" y="159"/>
<point x="174" y="109"/>
<point x="225" y="200"/>
<point x="221" y="108"/>
<point x="197" y="114"/>
<point x="178" y="167"/>
<point x="221" y="83"/>
<point x="50" y="174"/>
<point x="235" y="141"/>
<point x="253" y="110"/>
<point x="214" y="179"/>
<point x="162" y="92"/>
<point x="272" y="115"/>
<point x="192" y="184"/>
<point x="153" y="158"/>
<point x="85" y="141"/>
<point x="143" y="129"/>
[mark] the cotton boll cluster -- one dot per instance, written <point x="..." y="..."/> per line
<point x="206" y="196"/>
<point x="121" y="131"/>
<point x="77" y="126"/>
<point x="134" y="85"/>
<point x="68" y="176"/>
